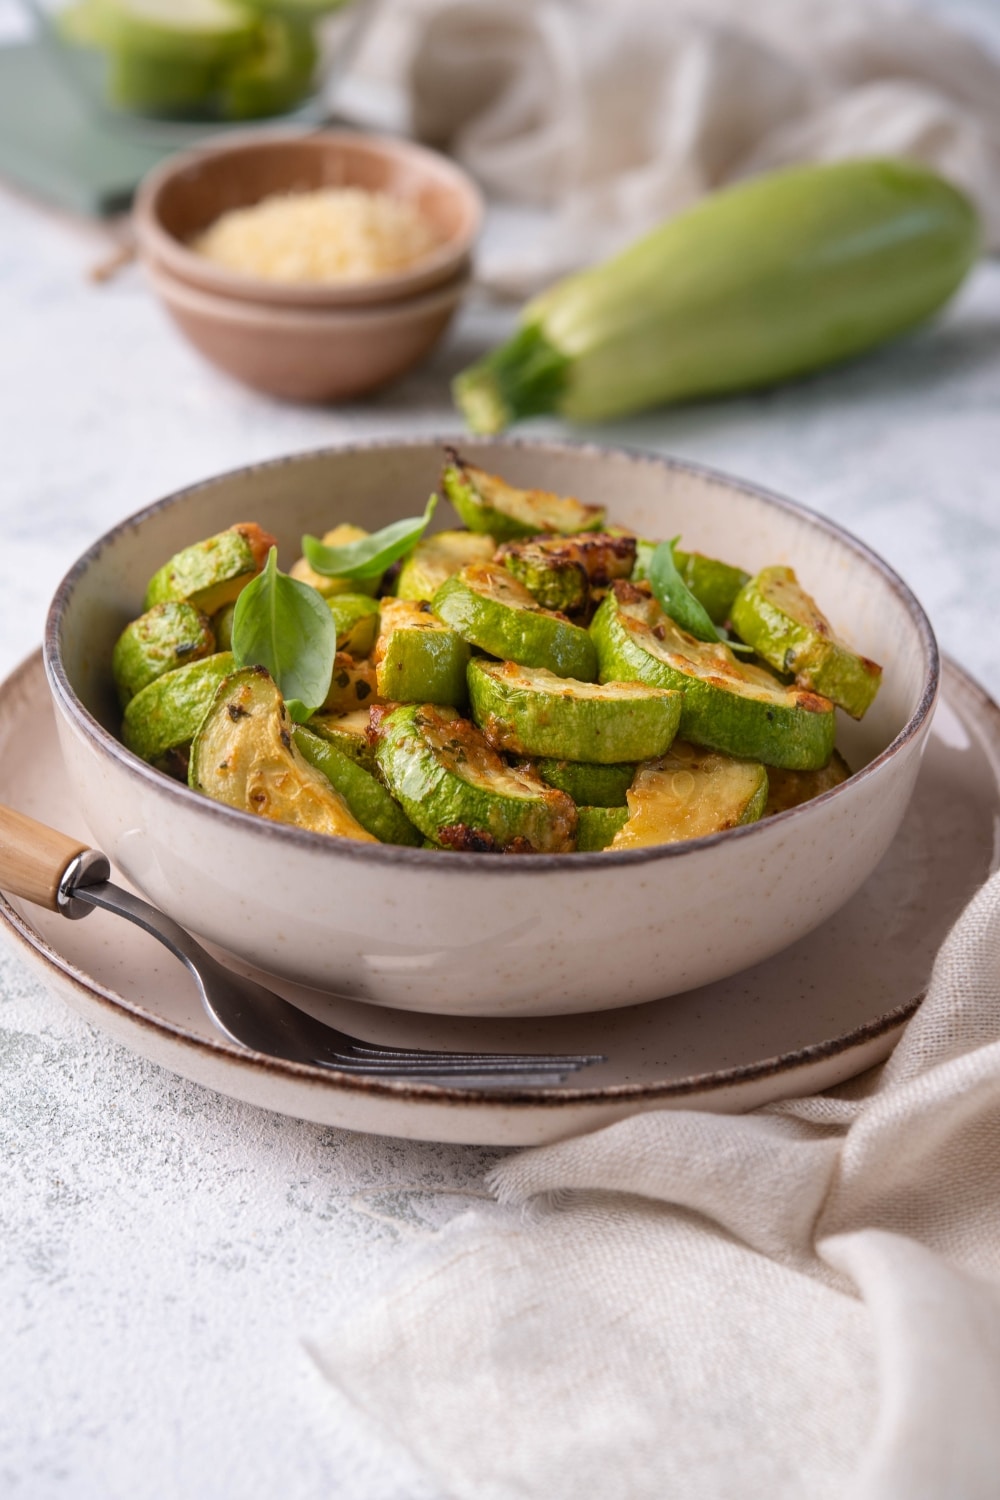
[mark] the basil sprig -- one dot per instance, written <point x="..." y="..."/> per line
<point x="369" y="557"/>
<point x="680" y="604"/>
<point x="674" y="595"/>
<point x="286" y="626"/>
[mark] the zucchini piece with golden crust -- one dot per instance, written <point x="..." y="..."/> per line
<point x="245" y="755"/>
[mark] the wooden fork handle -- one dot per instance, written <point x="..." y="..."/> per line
<point x="34" y="858"/>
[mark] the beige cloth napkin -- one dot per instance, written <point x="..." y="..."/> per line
<point x="617" y="115"/>
<point x="804" y="1301"/>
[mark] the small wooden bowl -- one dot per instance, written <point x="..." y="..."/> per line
<point x="184" y="195"/>
<point x="311" y="354"/>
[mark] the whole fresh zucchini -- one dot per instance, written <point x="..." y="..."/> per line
<point x="770" y="279"/>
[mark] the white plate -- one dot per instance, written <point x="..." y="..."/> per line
<point x="825" y="1009"/>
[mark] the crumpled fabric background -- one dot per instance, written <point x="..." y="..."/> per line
<point x="800" y="1302"/>
<point x="617" y="116"/>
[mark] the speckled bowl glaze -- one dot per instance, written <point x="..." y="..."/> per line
<point x="473" y="934"/>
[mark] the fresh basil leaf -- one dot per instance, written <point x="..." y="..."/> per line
<point x="369" y="557"/>
<point x="674" y="595"/>
<point x="286" y="626"/>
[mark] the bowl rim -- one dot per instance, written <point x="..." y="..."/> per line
<point x="295" y="318"/>
<point x="156" y="242"/>
<point x="535" y="865"/>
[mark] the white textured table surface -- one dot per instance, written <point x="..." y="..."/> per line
<point x="163" y="1250"/>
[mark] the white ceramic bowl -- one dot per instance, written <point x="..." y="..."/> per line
<point x="476" y="934"/>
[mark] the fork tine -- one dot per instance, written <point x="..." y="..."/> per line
<point x="387" y="1068"/>
<point x="363" y="1050"/>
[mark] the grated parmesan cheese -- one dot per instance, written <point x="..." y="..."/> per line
<point x="332" y="234"/>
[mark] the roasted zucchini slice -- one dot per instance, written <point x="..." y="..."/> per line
<point x="529" y="711"/>
<point x="728" y="704"/>
<point x="491" y="610"/>
<point x="589" y="785"/>
<point x="487" y="503"/>
<point x="690" y="793"/>
<point x="455" y="788"/>
<point x="356" y="617"/>
<point x="222" y="624"/>
<point x="418" y="659"/>
<point x="166" y="637"/>
<point x="367" y="798"/>
<point x="437" y="558"/>
<point x="349" y="733"/>
<point x="213" y="572"/>
<point x="340" y="536"/>
<point x="352" y="685"/>
<point x="559" y="572"/>
<point x="597" y="826"/>
<point x="244" y="755"/>
<point x="165" y="715"/>
<point x="787" y="629"/>
<point x="787" y="789"/>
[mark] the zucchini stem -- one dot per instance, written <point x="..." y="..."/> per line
<point x="524" y="377"/>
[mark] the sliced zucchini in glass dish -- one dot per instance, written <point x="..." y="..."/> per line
<point x="787" y="789"/>
<point x="490" y="609"/>
<point x="485" y="502"/>
<point x="457" y="790"/>
<point x="164" y="717"/>
<point x="530" y="711"/>
<point x="437" y="558"/>
<point x="419" y="659"/>
<point x="244" y="754"/>
<point x="788" y="630"/>
<point x="212" y="573"/>
<point x="689" y="793"/>
<point x="166" y="637"/>
<point x="728" y="705"/>
<point x="559" y="572"/>
<point x="596" y="827"/>
<point x="589" y="785"/>
<point x="366" y="797"/>
<point x="713" y="583"/>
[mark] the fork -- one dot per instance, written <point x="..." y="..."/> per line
<point x="52" y="870"/>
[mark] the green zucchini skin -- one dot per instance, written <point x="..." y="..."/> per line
<point x="785" y="627"/>
<point x="491" y="610"/>
<point x="553" y="582"/>
<point x="168" y="712"/>
<point x="356" y="617"/>
<point x="367" y="798"/>
<point x="559" y="572"/>
<point x="417" y="658"/>
<point x="690" y="793"/>
<point x="770" y="279"/>
<point x="728" y="705"/>
<point x="349" y="733"/>
<point x="437" y="558"/>
<point x="166" y="637"/>
<point x="212" y="573"/>
<point x="589" y="785"/>
<point x="487" y="503"/>
<point x="713" y="583"/>
<point x="597" y="826"/>
<point x="457" y="791"/>
<point x="529" y="711"/>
